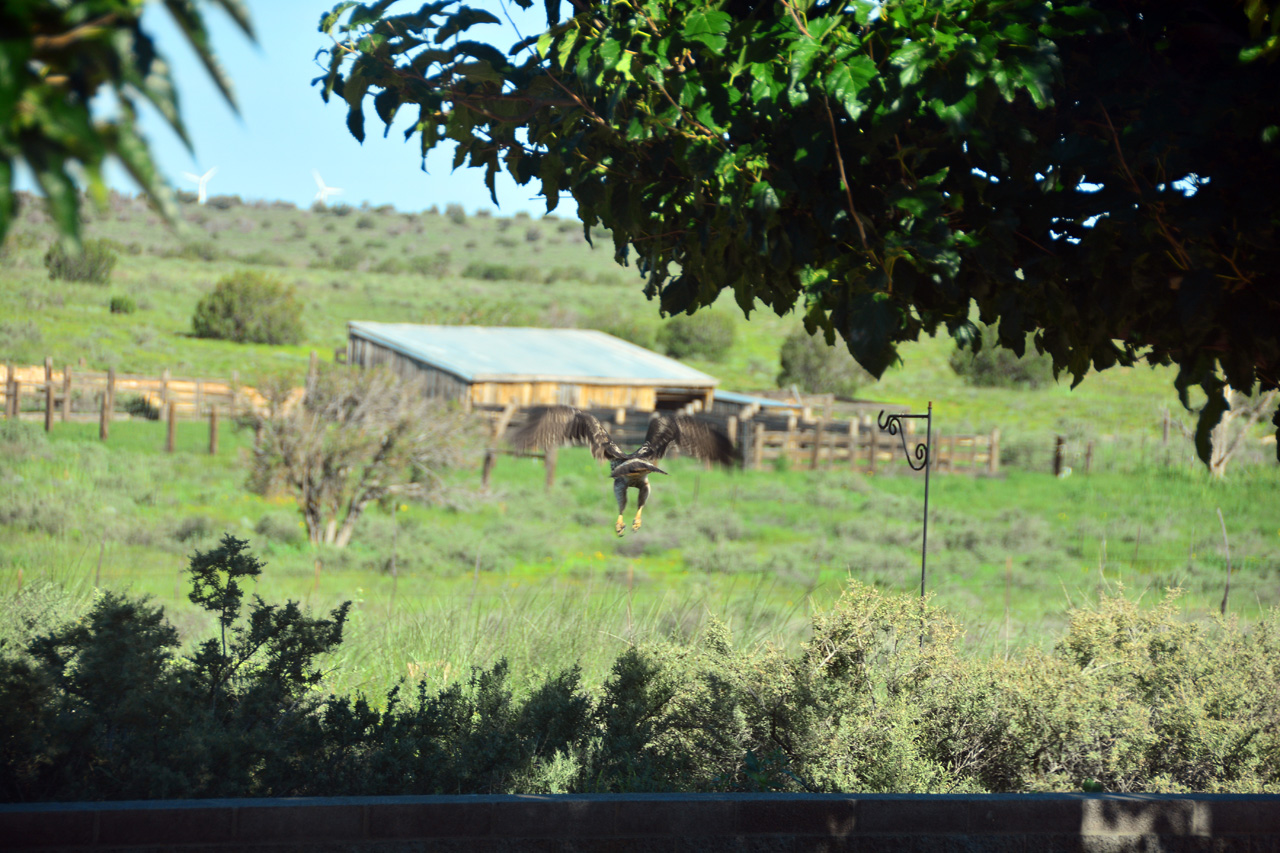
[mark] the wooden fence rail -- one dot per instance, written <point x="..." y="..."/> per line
<point x="819" y="443"/>
<point x="74" y="393"/>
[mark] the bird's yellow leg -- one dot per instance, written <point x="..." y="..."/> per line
<point x="636" y="526"/>
<point x="620" y="526"/>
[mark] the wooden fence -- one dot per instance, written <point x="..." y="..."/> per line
<point x="76" y="394"/>
<point x="765" y="440"/>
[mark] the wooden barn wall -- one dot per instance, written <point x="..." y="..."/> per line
<point x="435" y="382"/>
<point x="368" y="353"/>
<point x="554" y="393"/>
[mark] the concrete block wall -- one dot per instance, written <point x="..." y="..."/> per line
<point x="670" y="823"/>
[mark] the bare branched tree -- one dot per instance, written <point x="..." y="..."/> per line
<point x="357" y="436"/>
<point x="1242" y="413"/>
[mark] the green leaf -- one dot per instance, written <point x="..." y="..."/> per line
<point x="870" y="322"/>
<point x="353" y="93"/>
<point x="709" y="28"/>
<point x="187" y="16"/>
<point x="1214" y="406"/>
<point x="460" y="21"/>
<point x="386" y="103"/>
<point x="610" y="52"/>
<point x="330" y="19"/>
<point x="544" y="43"/>
<point x="802" y="58"/>
<point x="847" y="79"/>
<point x="911" y="59"/>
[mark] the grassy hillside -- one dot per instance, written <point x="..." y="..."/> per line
<point x="543" y="580"/>
<point x="445" y="267"/>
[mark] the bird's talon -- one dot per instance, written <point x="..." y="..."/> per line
<point x="636" y="526"/>
<point x="620" y="526"/>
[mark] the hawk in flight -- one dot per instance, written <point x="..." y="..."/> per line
<point x="565" y="424"/>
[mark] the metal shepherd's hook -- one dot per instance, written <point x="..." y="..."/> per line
<point x="892" y="424"/>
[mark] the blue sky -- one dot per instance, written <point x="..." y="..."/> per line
<point x="285" y="130"/>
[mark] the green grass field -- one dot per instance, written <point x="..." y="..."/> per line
<point x="540" y="578"/>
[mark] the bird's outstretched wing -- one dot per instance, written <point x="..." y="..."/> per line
<point x="695" y="437"/>
<point x="566" y="425"/>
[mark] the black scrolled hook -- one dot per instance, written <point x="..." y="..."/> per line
<point x="892" y="424"/>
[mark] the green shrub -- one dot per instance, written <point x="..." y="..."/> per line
<point x="708" y="335"/>
<point x="93" y="263"/>
<point x="814" y="366"/>
<point x="431" y="266"/>
<point x="994" y="366"/>
<point x="196" y="250"/>
<point x="264" y="257"/>
<point x="250" y="307"/>
<point x="139" y="406"/>
<point x="487" y="271"/>
<point x="346" y="259"/>
<point x="389" y="266"/>
<point x="122" y="305"/>
<point x="881" y="698"/>
<point x="455" y="214"/>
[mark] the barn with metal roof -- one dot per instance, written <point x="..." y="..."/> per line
<point x="497" y="365"/>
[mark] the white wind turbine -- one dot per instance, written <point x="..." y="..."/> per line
<point x="203" y="181"/>
<point x="323" y="193"/>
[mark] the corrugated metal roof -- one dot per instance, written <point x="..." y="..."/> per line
<point x="747" y="399"/>
<point x="522" y="354"/>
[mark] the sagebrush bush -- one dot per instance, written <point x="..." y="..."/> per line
<point x="122" y="305"/>
<point x="880" y="699"/>
<point x="250" y="307"/>
<point x="93" y="263"/>
<point x="708" y="334"/>
<point x="814" y="366"/>
<point x="994" y="366"/>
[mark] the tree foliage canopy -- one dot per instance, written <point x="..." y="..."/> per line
<point x="55" y="57"/>
<point x="1102" y="175"/>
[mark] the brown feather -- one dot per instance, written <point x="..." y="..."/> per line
<point x="697" y="438"/>
<point x="566" y="425"/>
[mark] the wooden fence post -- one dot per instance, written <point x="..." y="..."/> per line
<point x="213" y="430"/>
<point x="549" y="460"/>
<point x="993" y="456"/>
<point x="48" y="368"/>
<point x="164" y="386"/>
<point x="1088" y="458"/>
<point x="8" y="390"/>
<point x="486" y="472"/>
<point x="172" y="427"/>
<point x="853" y="443"/>
<point x="199" y="395"/>
<point x="235" y="392"/>
<point x="815" y="456"/>
<point x="757" y="446"/>
<point x="17" y="399"/>
<point x="66" y="393"/>
<point x="48" y="405"/>
<point x="1058" y="443"/>
<point x="789" y="446"/>
<point x="111" y="389"/>
<point x="104" y="419"/>
<point x="313" y="370"/>
<point x="873" y="440"/>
